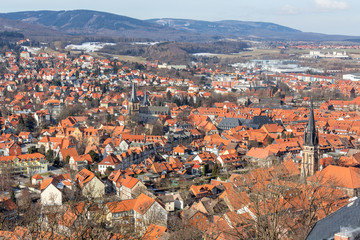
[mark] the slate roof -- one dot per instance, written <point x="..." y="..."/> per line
<point x="133" y="98"/>
<point x="255" y="123"/>
<point x="145" y="118"/>
<point x="155" y="110"/>
<point x="258" y="121"/>
<point x="310" y="136"/>
<point x="145" y="101"/>
<point x="347" y="216"/>
<point x="227" y="123"/>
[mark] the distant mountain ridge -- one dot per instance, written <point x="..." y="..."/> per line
<point x="83" y="22"/>
<point x="95" y="23"/>
<point x="27" y="28"/>
<point x="229" y="27"/>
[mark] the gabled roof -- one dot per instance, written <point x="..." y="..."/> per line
<point x="37" y="177"/>
<point x="121" y="206"/>
<point x="46" y="183"/>
<point x="57" y="181"/>
<point x="201" y="189"/>
<point x="110" y="160"/>
<point x="69" y="152"/>
<point x="123" y="180"/>
<point x="261" y="153"/>
<point x="143" y="203"/>
<point x="347" y="216"/>
<point x="129" y="182"/>
<point x="154" y="232"/>
<point x="140" y="205"/>
<point x="339" y="176"/>
<point x="84" y="176"/>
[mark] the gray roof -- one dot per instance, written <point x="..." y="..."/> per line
<point x="166" y="198"/>
<point x="255" y="123"/>
<point x="145" y="118"/>
<point x="155" y="110"/>
<point x="347" y="216"/>
<point x="310" y="136"/>
<point x="133" y="97"/>
<point x="145" y="101"/>
<point x="227" y="123"/>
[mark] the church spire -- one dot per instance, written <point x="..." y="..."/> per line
<point x="133" y="97"/>
<point x="310" y="137"/>
<point x="311" y="154"/>
<point x="145" y="101"/>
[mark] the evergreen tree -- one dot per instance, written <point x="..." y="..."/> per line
<point x="57" y="161"/>
<point x="12" y="195"/>
<point x="67" y="159"/>
<point x="30" y="123"/>
<point x="49" y="156"/>
<point x="168" y="95"/>
<point x="32" y="149"/>
<point x="215" y="170"/>
<point x="21" y="124"/>
<point x="94" y="156"/>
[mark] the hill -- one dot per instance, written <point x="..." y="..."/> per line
<point x="95" y="23"/>
<point x="246" y="29"/>
<point x="86" y="22"/>
<point x="227" y="27"/>
<point x="27" y="29"/>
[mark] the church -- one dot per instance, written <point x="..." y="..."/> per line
<point x="142" y="112"/>
<point x="310" y="156"/>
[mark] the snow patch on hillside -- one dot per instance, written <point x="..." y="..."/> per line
<point x="88" y="46"/>
<point x="205" y="54"/>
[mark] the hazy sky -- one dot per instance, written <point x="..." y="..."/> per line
<point x="322" y="16"/>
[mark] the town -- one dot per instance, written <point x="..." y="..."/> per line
<point x="95" y="147"/>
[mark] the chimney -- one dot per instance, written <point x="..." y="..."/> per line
<point x="342" y="236"/>
<point x="347" y="233"/>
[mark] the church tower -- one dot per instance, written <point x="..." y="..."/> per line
<point x="133" y="103"/>
<point x="310" y="157"/>
<point x="145" y="101"/>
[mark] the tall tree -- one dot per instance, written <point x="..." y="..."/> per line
<point x="30" y="123"/>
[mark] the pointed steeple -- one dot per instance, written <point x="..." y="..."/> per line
<point x="133" y="97"/>
<point x="310" y="137"/>
<point x="145" y="101"/>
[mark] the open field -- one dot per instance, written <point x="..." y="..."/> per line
<point x="256" y="53"/>
<point x="130" y="58"/>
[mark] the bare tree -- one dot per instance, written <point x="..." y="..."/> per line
<point x="178" y="230"/>
<point x="280" y="208"/>
<point x="6" y="179"/>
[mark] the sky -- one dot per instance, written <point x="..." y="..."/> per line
<point x="321" y="16"/>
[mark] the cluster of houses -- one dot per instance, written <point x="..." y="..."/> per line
<point x="138" y="157"/>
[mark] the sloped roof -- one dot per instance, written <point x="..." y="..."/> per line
<point x="84" y="176"/>
<point x="347" y="216"/>
<point x="37" y="177"/>
<point x="143" y="203"/>
<point x="261" y="153"/>
<point x="229" y="123"/>
<point x="347" y="177"/>
<point x="110" y="160"/>
<point x="72" y="214"/>
<point x="69" y="152"/>
<point x="45" y="183"/>
<point x="154" y="232"/>
<point x="121" y="206"/>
